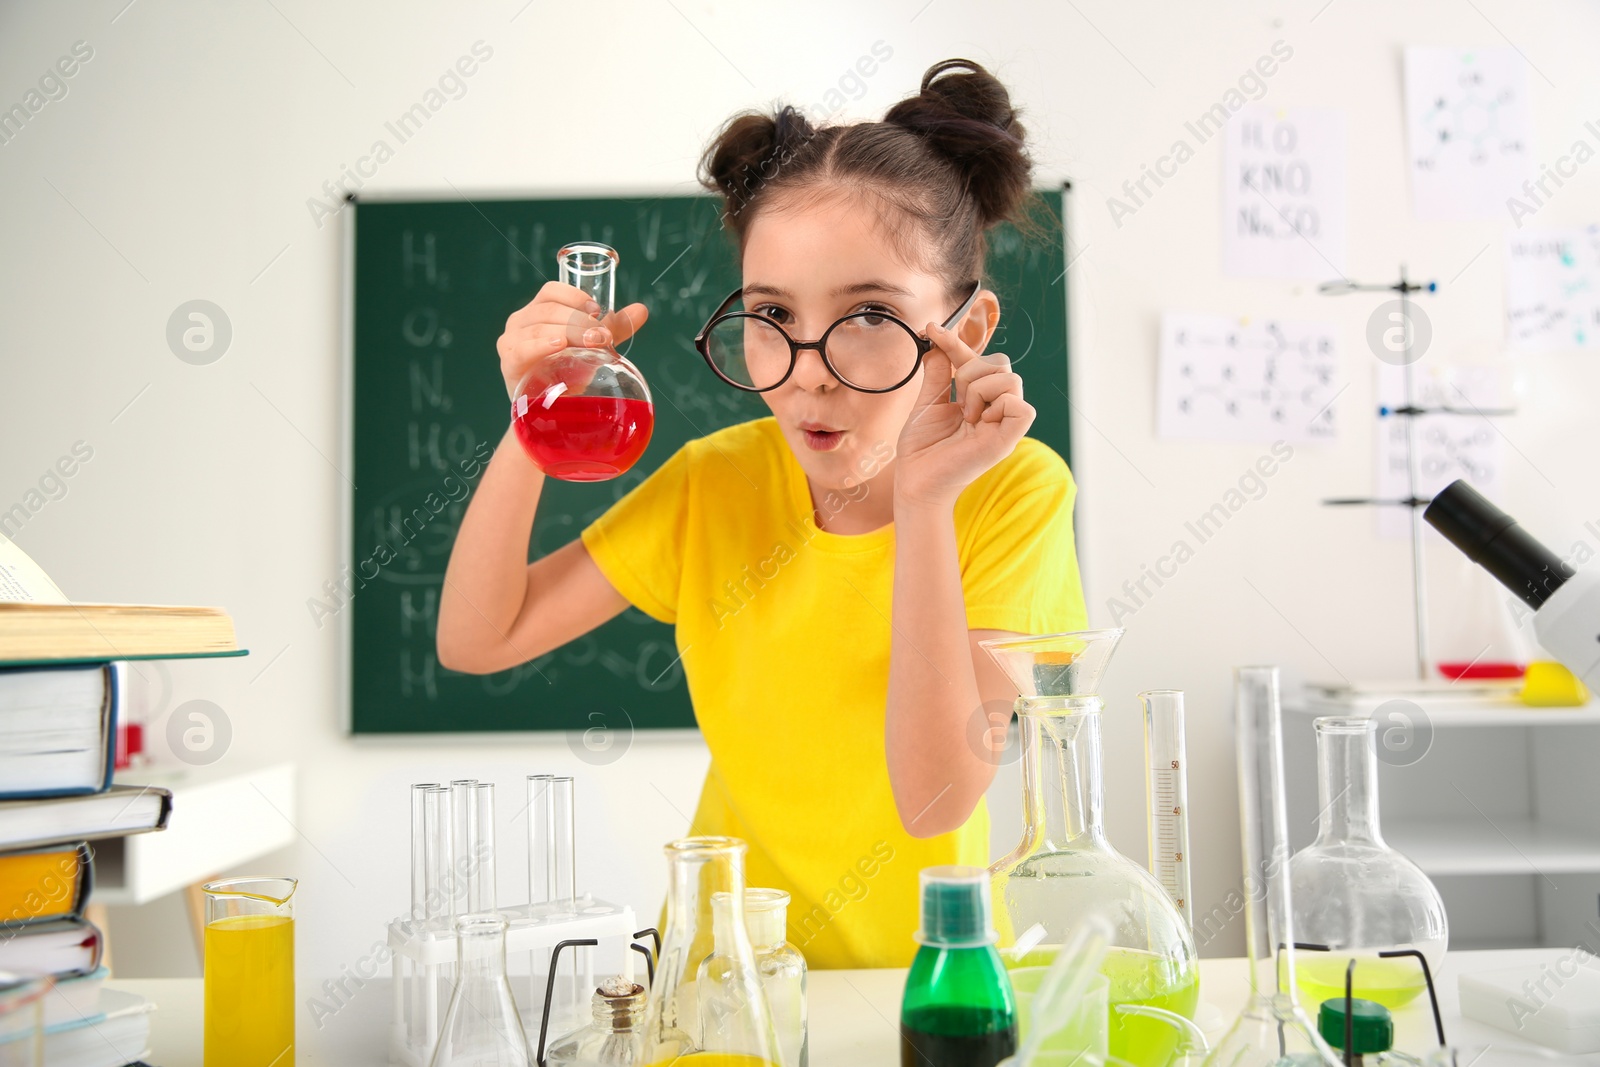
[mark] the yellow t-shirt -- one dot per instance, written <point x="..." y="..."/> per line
<point x="784" y="633"/>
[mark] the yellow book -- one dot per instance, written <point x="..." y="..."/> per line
<point x="40" y="884"/>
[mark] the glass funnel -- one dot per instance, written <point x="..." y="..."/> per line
<point x="1352" y="892"/>
<point x="723" y="1024"/>
<point x="584" y="414"/>
<point x="249" y="971"/>
<point x="1064" y="868"/>
<point x="1270" y="1029"/>
<point x="482" y="1027"/>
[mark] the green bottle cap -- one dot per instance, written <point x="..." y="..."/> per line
<point x="955" y="907"/>
<point x="1372" y="1027"/>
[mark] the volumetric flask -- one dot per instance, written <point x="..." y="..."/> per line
<point x="1065" y="867"/>
<point x="584" y="414"/>
<point x="727" y="1023"/>
<point x="1352" y="892"/>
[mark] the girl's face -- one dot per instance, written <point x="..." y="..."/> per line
<point x="805" y="269"/>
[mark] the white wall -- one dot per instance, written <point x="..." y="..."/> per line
<point x="179" y="166"/>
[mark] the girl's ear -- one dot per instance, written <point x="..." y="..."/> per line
<point x="983" y="318"/>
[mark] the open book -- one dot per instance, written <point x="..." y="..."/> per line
<point x="38" y="624"/>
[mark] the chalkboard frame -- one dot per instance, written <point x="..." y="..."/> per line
<point x="347" y="399"/>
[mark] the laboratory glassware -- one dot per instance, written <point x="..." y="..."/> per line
<point x="553" y="886"/>
<point x="249" y="971"/>
<point x="958" y="1009"/>
<point x="22" y="1000"/>
<point x="1352" y="892"/>
<point x="1065" y="1014"/>
<point x="584" y="414"/>
<point x="1271" y="1028"/>
<point x="728" y="1023"/>
<point x="615" y="1038"/>
<point x="482" y="1027"/>
<point x="1167" y="803"/>
<point x="780" y="964"/>
<point x="1065" y="867"/>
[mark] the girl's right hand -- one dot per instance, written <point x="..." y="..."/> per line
<point x="560" y="316"/>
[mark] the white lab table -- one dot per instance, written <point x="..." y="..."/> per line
<point x="853" y="1015"/>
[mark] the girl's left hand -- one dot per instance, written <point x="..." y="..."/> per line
<point x="946" y="445"/>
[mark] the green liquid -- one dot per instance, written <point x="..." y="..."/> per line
<point x="1393" y="983"/>
<point x="1136" y="977"/>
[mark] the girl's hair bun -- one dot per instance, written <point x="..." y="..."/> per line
<point x="749" y="150"/>
<point x="965" y="114"/>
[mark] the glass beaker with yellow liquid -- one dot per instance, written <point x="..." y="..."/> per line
<point x="1353" y="893"/>
<point x="1065" y="868"/>
<point x="726" y="1023"/>
<point x="249" y="972"/>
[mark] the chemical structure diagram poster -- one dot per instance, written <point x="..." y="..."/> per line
<point x="1468" y="127"/>
<point x="1461" y="442"/>
<point x="1553" y="289"/>
<point x="1222" y="379"/>
<point x="1283" y="194"/>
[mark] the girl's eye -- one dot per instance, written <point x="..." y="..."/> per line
<point x="873" y="320"/>
<point x="773" y="312"/>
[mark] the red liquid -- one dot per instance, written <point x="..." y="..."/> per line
<point x="583" y="438"/>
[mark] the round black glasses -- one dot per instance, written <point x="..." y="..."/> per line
<point x="869" y="351"/>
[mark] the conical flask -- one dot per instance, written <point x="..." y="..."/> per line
<point x="481" y="1027"/>
<point x="1355" y="894"/>
<point x="727" y="1023"/>
<point x="1271" y="1029"/>
<point x="1064" y="868"/>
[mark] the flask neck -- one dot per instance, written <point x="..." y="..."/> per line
<point x="619" y="1012"/>
<point x="591" y="267"/>
<point x="481" y="948"/>
<point x="1347" y="781"/>
<point x="1062" y="788"/>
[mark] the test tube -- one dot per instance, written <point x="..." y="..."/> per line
<point x="482" y="884"/>
<point x="436" y="851"/>
<point x="563" y="836"/>
<point x="1167" y="799"/>
<point x="463" y="834"/>
<point x="539" y="854"/>
<point x="419" y="849"/>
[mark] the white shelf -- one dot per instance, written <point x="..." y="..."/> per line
<point x="1446" y="712"/>
<point x="1509" y="845"/>
<point x="220" y="819"/>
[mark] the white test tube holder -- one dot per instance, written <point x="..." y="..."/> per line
<point x="426" y="953"/>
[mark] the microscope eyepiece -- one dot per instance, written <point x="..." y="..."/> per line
<point x="1494" y="541"/>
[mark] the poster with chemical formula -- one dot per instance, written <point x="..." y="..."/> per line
<point x="1283" y="194"/>
<point x="1468" y="127"/>
<point x="1226" y="379"/>
<point x="1553" y="289"/>
<point x="1459" y="442"/>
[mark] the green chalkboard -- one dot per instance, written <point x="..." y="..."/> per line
<point x="429" y="287"/>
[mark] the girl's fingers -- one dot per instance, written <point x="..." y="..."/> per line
<point x="984" y="392"/>
<point x="1012" y="413"/>
<point x="956" y="351"/>
<point x="936" y="374"/>
<point x="554" y="302"/>
<point x="625" y="322"/>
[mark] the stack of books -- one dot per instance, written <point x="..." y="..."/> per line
<point x="65" y="676"/>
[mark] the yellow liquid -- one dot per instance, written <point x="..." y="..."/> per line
<point x="1138" y="978"/>
<point x="717" y="1059"/>
<point x="1391" y="982"/>
<point x="249" y="986"/>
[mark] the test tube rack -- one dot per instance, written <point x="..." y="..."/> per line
<point x="453" y="874"/>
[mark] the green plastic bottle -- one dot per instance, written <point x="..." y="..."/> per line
<point x="958" y="1009"/>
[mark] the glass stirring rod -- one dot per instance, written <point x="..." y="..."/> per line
<point x="1167" y="799"/>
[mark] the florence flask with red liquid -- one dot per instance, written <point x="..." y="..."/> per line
<point x="584" y="414"/>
